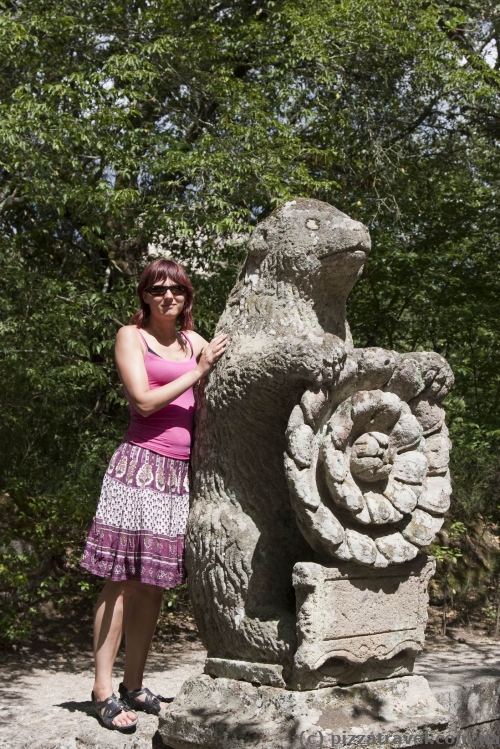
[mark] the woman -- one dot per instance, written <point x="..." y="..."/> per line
<point x="137" y="536"/>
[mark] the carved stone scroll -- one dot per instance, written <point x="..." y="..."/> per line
<point x="368" y="467"/>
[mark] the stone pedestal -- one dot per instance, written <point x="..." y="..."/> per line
<point x="212" y="713"/>
<point x="354" y="624"/>
<point x="358" y="624"/>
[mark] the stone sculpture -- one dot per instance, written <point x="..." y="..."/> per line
<point x="286" y="324"/>
<point x="320" y="471"/>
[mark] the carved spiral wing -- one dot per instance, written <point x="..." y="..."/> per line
<point x="368" y="468"/>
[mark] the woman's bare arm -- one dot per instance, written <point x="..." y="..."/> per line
<point x="129" y="357"/>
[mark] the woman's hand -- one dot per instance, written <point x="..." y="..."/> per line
<point x="212" y="353"/>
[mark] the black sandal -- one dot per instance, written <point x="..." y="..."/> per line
<point x="150" y="704"/>
<point x="108" y="709"/>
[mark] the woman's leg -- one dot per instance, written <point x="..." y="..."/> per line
<point x="139" y="630"/>
<point x="111" y="612"/>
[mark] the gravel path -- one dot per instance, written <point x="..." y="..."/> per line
<point x="45" y="702"/>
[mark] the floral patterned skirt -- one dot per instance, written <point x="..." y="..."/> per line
<point x="139" y="527"/>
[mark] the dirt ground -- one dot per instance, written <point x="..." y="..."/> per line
<point x="45" y="685"/>
<point x="45" y="699"/>
<point x="45" y="688"/>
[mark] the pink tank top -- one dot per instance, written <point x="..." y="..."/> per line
<point x="168" y="431"/>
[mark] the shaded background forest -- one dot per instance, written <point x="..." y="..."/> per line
<point x="133" y="126"/>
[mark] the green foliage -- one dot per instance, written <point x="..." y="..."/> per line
<point x="133" y="126"/>
<point x="467" y="579"/>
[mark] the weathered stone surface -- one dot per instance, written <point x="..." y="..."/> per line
<point x="301" y="445"/>
<point x="436" y="494"/>
<point x="226" y="714"/>
<point x="396" y="548"/>
<point x="380" y="510"/>
<point x="387" y="611"/>
<point x="285" y="319"/>
<point x="268" y="674"/>
<point x="437" y="452"/>
<point x="422" y="528"/>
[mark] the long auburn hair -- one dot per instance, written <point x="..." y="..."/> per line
<point x="156" y="271"/>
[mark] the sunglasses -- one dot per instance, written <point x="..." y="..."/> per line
<point x="176" y="290"/>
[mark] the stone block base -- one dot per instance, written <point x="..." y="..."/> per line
<point x="358" y="624"/>
<point x="269" y="674"/>
<point x="220" y="713"/>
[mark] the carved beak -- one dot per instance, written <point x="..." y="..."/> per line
<point x="353" y="239"/>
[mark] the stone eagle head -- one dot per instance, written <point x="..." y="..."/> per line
<point x="312" y="252"/>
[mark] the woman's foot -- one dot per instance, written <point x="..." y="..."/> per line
<point x="143" y="699"/>
<point x="112" y="712"/>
